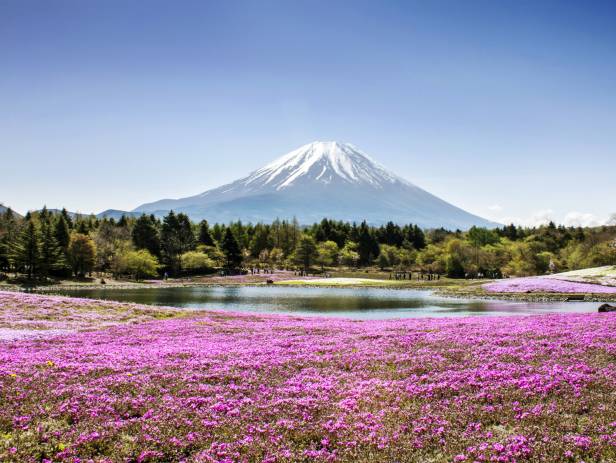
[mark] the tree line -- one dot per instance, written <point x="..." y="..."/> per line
<point x="46" y="244"/>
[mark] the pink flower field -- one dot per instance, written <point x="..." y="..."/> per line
<point x="546" y="285"/>
<point x="220" y="387"/>
<point x="25" y="315"/>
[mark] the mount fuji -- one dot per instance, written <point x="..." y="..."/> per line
<point x="321" y="179"/>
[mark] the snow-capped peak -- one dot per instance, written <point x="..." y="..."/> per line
<point x="323" y="162"/>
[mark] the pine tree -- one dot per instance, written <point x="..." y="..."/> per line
<point x="169" y="241"/>
<point x="67" y="218"/>
<point x="185" y="233"/>
<point x="367" y="245"/>
<point x="205" y="237"/>
<point x="145" y="235"/>
<point x="27" y="251"/>
<point x="232" y="251"/>
<point x="51" y="255"/>
<point x="82" y="227"/>
<point x="176" y="238"/>
<point x="9" y="233"/>
<point x="306" y="252"/>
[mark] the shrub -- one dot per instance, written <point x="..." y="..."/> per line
<point x="140" y="264"/>
<point x="195" y="262"/>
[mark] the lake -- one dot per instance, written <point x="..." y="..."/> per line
<point x="357" y="303"/>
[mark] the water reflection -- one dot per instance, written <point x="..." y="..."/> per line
<point x="360" y="303"/>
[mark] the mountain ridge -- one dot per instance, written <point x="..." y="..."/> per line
<point x="317" y="180"/>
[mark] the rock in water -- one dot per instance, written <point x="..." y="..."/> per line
<point x="607" y="308"/>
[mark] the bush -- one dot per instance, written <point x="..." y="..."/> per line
<point x="196" y="262"/>
<point x="140" y="264"/>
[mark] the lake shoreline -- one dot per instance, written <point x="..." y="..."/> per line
<point x="466" y="290"/>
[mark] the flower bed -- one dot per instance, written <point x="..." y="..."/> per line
<point x="229" y="387"/>
<point x="547" y="285"/>
<point x="24" y="315"/>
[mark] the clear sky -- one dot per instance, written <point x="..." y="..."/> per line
<point x="505" y="108"/>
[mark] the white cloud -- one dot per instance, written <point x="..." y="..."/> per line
<point x="571" y="219"/>
<point x="495" y="208"/>
<point x="538" y="218"/>
<point x="582" y="219"/>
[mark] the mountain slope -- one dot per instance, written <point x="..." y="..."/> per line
<point x="321" y="179"/>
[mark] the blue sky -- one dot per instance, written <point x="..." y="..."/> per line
<point x="507" y="109"/>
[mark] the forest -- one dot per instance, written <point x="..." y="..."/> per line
<point x="47" y="244"/>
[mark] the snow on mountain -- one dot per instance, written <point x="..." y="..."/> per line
<point x="321" y="179"/>
<point x="322" y="162"/>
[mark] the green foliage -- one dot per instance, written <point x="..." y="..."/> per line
<point x="140" y="264"/>
<point x="26" y="252"/>
<point x="327" y="253"/>
<point x="176" y="238"/>
<point x="306" y="252"/>
<point x="62" y="232"/>
<point x="145" y="234"/>
<point x="479" y="237"/>
<point x="367" y="245"/>
<point x="51" y="255"/>
<point x="205" y="237"/>
<point x="9" y="231"/>
<point x="81" y="254"/>
<point x="231" y="250"/>
<point x="38" y="245"/>
<point x="111" y="240"/>
<point x="195" y="261"/>
<point x="349" y="255"/>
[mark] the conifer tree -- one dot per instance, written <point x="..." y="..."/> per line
<point x="51" y="255"/>
<point x="185" y="233"/>
<point x="169" y="241"/>
<point x="306" y="252"/>
<point x="145" y="235"/>
<point x="9" y="232"/>
<point x="27" y="250"/>
<point x="62" y="233"/>
<point x="367" y="245"/>
<point x="205" y="237"/>
<point x="231" y="249"/>
<point x="176" y="238"/>
<point x="69" y="221"/>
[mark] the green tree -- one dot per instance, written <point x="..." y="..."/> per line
<point x="232" y="250"/>
<point x="62" y="233"/>
<point x="306" y="252"/>
<point x="391" y="256"/>
<point x="51" y="256"/>
<point x="276" y="256"/>
<point x="9" y="233"/>
<point x="145" y="235"/>
<point x="367" y="245"/>
<point x="349" y="255"/>
<point x="327" y="254"/>
<point x="260" y="240"/>
<point x="176" y="238"/>
<point x="111" y="241"/>
<point x="205" y="236"/>
<point x="81" y="254"/>
<point x="27" y="251"/>
<point x="140" y="264"/>
<point x="459" y="258"/>
<point x="480" y="236"/>
<point x="195" y="261"/>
